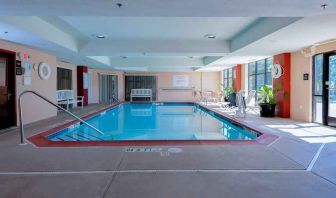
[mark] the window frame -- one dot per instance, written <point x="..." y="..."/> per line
<point x="227" y="78"/>
<point x="255" y="73"/>
<point x="65" y="74"/>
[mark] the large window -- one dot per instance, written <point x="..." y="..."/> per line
<point x="259" y="73"/>
<point x="64" y="78"/>
<point x="228" y="78"/>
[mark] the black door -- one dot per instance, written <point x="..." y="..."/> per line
<point x="7" y="90"/>
<point x="324" y="89"/>
<point x="330" y="88"/>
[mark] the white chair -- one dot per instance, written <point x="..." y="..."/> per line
<point x="141" y="93"/>
<point x="67" y="97"/>
<point x="250" y="101"/>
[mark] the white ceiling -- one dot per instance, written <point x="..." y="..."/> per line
<point x="303" y="33"/>
<point x="158" y="28"/>
<point x="155" y="35"/>
<point x="166" y="8"/>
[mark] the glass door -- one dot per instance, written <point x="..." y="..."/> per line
<point x="108" y="88"/>
<point x="318" y="89"/>
<point x="331" y="89"/>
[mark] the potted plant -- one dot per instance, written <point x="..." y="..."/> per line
<point x="228" y="92"/>
<point x="229" y="95"/>
<point x="224" y="91"/>
<point x="267" y="101"/>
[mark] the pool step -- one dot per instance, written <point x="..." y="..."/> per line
<point x="89" y="136"/>
<point x="78" y="136"/>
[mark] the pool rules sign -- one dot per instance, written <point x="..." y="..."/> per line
<point x="180" y="81"/>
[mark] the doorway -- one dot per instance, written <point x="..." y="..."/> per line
<point x="324" y="88"/>
<point x="108" y="88"/>
<point x="7" y="89"/>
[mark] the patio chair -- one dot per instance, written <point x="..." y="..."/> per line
<point x="231" y="104"/>
<point x="67" y="97"/>
<point x="247" y="102"/>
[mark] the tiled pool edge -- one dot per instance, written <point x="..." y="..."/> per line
<point x="41" y="140"/>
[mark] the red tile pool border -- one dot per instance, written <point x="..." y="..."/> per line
<point x="41" y="140"/>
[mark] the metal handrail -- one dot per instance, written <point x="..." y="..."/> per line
<point x="22" y="139"/>
<point x="115" y="99"/>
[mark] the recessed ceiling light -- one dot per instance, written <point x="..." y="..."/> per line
<point x="99" y="36"/>
<point x="210" y="36"/>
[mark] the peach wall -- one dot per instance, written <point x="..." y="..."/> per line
<point x="201" y="81"/>
<point x="210" y="81"/>
<point x="35" y="109"/>
<point x="301" y="91"/>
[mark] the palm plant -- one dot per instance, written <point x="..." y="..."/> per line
<point x="267" y="99"/>
<point x="266" y="95"/>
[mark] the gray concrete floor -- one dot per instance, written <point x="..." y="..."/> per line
<point x="284" y="168"/>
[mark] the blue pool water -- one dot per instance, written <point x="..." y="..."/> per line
<point x="156" y="121"/>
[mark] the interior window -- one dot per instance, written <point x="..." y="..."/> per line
<point x="64" y="78"/>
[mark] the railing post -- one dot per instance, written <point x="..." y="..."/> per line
<point x="22" y="141"/>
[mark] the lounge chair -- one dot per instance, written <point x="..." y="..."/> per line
<point x="251" y="105"/>
<point x="247" y="103"/>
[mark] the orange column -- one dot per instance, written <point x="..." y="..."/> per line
<point x="237" y="77"/>
<point x="283" y="95"/>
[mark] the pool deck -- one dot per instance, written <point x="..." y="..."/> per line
<point x="301" y="162"/>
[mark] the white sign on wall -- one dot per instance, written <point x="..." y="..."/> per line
<point x="180" y="81"/>
<point x="27" y="74"/>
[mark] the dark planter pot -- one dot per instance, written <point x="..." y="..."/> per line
<point x="267" y="110"/>
<point x="232" y="99"/>
<point x="226" y="99"/>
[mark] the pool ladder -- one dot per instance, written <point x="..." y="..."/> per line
<point x="22" y="137"/>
